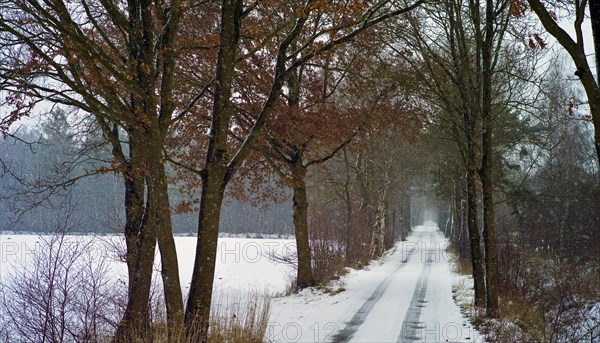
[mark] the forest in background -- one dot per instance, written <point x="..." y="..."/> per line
<point x="56" y="151"/>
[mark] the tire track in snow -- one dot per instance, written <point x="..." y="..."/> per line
<point x="411" y="323"/>
<point x="359" y="317"/>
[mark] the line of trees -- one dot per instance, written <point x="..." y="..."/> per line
<point x="531" y="117"/>
<point x="140" y="68"/>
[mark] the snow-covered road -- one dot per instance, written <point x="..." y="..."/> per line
<point x="406" y="298"/>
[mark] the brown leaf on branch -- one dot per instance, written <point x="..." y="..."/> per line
<point x="518" y="8"/>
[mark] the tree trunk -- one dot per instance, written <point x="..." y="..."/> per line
<point x="595" y="21"/>
<point x="160" y="216"/>
<point x="135" y="324"/>
<point x="458" y="230"/>
<point x="471" y="133"/>
<point x="197" y="313"/>
<point x="489" y="235"/>
<point x="134" y="212"/>
<point x="363" y="182"/>
<point x="134" y="193"/>
<point x="155" y="225"/>
<point x="379" y="230"/>
<point x="474" y="239"/>
<point x="487" y="164"/>
<point x="407" y="216"/>
<point x="139" y="254"/>
<point x="214" y="177"/>
<point x="304" y="273"/>
<point x="305" y="276"/>
<point x="141" y="245"/>
<point x="394" y="227"/>
<point x="349" y="249"/>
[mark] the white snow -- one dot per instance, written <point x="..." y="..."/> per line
<point x="242" y="264"/>
<point x="382" y="294"/>
<point x="404" y="297"/>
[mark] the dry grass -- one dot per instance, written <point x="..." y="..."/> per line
<point x="239" y="319"/>
<point x="461" y="266"/>
<point x="554" y="302"/>
<point x="235" y="318"/>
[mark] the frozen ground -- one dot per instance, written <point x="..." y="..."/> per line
<point x="406" y="297"/>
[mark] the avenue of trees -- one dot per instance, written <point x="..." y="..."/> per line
<point x="334" y="121"/>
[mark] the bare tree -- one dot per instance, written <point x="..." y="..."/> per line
<point x="575" y="48"/>
<point x="63" y="292"/>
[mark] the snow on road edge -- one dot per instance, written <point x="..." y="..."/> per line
<point x="314" y="316"/>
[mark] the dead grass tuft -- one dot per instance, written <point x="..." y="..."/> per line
<point x="239" y="318"/>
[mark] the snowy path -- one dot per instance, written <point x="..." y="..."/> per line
<point x="408" y="298"/>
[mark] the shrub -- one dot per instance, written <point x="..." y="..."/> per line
<point x="63" y="293"/>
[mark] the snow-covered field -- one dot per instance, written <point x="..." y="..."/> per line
<point x="404" y="297"/>
<point x="242" y="264"/>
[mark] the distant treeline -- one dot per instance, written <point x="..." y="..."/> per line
<point x="54" y="179"/>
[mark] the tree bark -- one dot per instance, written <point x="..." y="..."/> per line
<point x="160" y="217"/>
<point x="487" y="164"/>
<point x="595" y="21"/>
<point x="214" y="177"/>
<point x="134" y="206"/>
<point x="380" y="227"/>
<point x="407" y="215"/>
<point x="472" y="209"/>
<point x="489" y="235"/>
<point x="135" y="324"/>
<point x="200" y="297"/>
<point x="475" y="240"/>
<point x="134" y="193"/>
<point x="349" y="249"/>
<point x="305" y="276"/>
